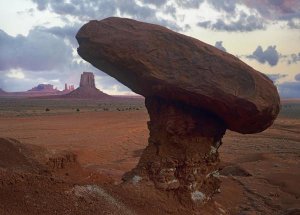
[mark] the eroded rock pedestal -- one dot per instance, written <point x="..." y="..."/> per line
<point x="182" y="153"/>
<point x="193" y="92"/>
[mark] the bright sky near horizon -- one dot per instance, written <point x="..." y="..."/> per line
<point x="37" y="37"/>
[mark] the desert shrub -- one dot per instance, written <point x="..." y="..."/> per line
<point x="47" y="109"/>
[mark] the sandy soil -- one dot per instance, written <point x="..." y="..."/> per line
<point x="73" y="164"/>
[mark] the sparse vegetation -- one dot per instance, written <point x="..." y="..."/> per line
<point x="35" y="107"/>
<point x="290" y="110"/>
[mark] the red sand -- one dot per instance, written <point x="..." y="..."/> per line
<point x="59" y="157"/>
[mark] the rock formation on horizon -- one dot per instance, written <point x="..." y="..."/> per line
<point x="68" y="89"/>
<point x="43" y="88"/>
<point x="193" y="91"/>
<point x="87" y="88"/>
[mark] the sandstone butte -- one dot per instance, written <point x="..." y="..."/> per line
<point x="193" y="93"/>
<point x="87" y="89"/>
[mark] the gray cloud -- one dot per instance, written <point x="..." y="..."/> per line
<point x="276" y="9"/>
<point x="245" y="23"/>
<point x="66" y="32"/>
<point x="294" y="58"/>
<point x="293" y="25"/>
<point x="269" y="10"/>
<point x="157" y="3"/>
<point x="37" y="51"/>
<point x="188" y="4"/>
<point x="219" y="45"/>
<point x="85" y="10"/>
<point x="270" y="55"/>
<point x="130" y="7"/>
<point x="228" y="6"/>
<point x="41" y="4"/>
<point x="171" y="9"/>
<point x="82" y="9"/>
<point x="280" y="10"/>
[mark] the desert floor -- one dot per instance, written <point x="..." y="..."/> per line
<point x="65" y="161"/>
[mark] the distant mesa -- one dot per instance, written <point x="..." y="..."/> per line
<point x="44" y="88"/>
<point x="2" y="92"/>
<point x="87" y="88"/>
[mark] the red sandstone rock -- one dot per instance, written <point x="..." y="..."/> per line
<point x="155" y="61"/>
<point x="193" y="91"/>
<point x="87" y="80"/>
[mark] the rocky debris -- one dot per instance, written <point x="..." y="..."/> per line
<point x="193" y="91"/>
<point x="44" y="88"/>
<point x="60" y="161"/>
<point x="87" y="89"/>
<point x="90" y="192"/>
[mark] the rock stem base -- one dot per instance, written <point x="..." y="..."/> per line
<point x="182" y="155"/>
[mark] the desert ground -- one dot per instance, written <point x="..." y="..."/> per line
<point x="68" y="157"/>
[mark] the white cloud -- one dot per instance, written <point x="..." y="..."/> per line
<point x="16" y="74"/>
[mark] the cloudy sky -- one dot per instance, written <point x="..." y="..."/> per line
<point x="37" y="37"/>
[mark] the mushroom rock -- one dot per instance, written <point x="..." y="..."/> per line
<point x="193" y="91"/>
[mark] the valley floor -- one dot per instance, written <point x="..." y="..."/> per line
<point x="72" y="163"/>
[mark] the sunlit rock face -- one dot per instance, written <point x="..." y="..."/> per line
<point x="193" y="91"/>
